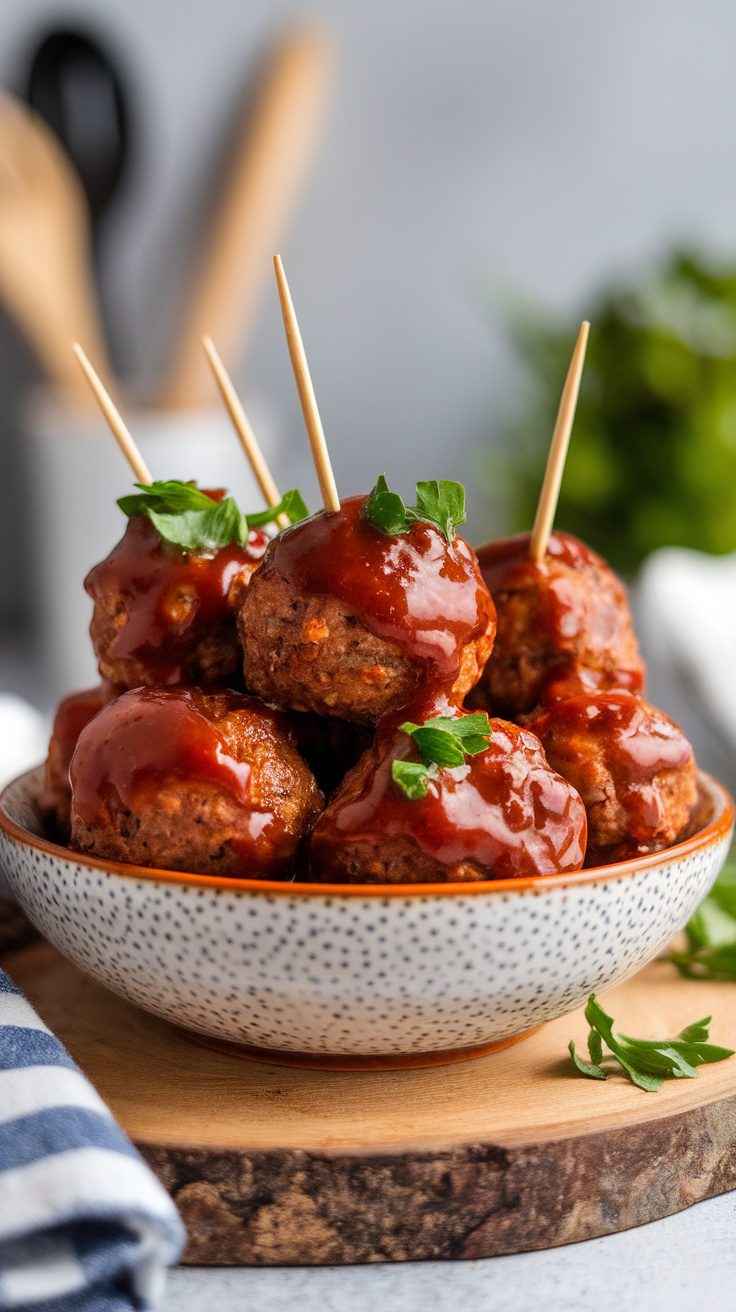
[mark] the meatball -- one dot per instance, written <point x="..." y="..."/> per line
<point x="182" y="779"/>
<point x="564" y="625"/>
<point x="74" y="712"/>
<point x="163" y="616"/>
<point x="345" y="620"/>
<point x="632" y="766"/>
<point x="505" y="814"/>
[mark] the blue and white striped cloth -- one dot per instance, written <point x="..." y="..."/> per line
<point x="84" y="1225"/>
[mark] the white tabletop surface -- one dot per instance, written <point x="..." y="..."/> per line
<point x="684" y="1261"/>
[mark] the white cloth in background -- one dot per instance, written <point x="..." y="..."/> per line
<point x="687" y="617"/>
<point x="23" y="744"/>
<point x="23" y="737"/>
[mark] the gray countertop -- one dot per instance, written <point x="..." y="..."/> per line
<point x="685" y="1260"/>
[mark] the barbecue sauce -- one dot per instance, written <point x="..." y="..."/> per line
<point x="578" y="622"/>
<point x="151" y="736"/>
<point x="631" y="741"/>
<point x="503" y="814"/>
<point x="170" y="600"/>
<point x="74" y="714"/>
<point x="416" y="589"/>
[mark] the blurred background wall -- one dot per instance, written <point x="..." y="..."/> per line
<point x="474" y="152"/>
<point x="470" y="146"/>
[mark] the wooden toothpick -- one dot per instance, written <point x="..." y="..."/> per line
<point x="548" y="497"/>
<point x="114" y="419"/>
<point x="242" y="426"/>
<point x="315" y="432"/>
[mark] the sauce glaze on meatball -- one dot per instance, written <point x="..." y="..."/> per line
<point x="345" y="620"/>
<point x="564" y="626"/>
<point x="164" y="616"/>
<point x="632" y="766"/>
<point x="505" y="814"/>
<point x="73" y="714"/>
<point x="181" y="779"/>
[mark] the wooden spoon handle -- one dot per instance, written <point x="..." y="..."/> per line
<point x="46" y="277"/>
<point x="54" y="307"/>
<point x="272" y="154"/>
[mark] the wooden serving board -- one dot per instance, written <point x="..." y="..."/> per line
<point x="15" y="929"/>
<point x="271" y="1165"/>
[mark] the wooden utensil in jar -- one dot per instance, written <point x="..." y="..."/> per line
<point x="45" y="270"/>
<point x="273" y="150"/>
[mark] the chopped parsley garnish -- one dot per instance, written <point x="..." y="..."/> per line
<point x="187" y="518"/>
<point x="709" y="952"/>
<point x="292" y="504"/>
<point x="443" y="741"/>
<point x="646" y="1062"/>
<point x="440" y="503"/>
<point x="412" y="778"/>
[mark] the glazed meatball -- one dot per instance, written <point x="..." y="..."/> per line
<point x="564" y="626"/>
<point x="505" y="814"/>
<point x="163" y="616"/>
<point x="345" y="620"/>
<point x="632" y="766"/>
<point x="182" y="779"/>
<point x="74" y="712"/>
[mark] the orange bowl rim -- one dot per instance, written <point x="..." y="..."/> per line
<point x="717" y="828"/>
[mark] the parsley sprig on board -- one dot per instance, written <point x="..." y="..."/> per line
<point x="442" y="741"/>
<point x="710" y="936"/>
<point x="647" y="1062"/>
<point x="187" y="518"/>
<point x="441" y="503"/>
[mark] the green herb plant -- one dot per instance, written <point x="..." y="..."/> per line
<point x="442" y="742"/>
<point x="440" y="503"/>
<point x="709" y="952"/>
<point x="647" y="1062"/>
<point x="652" y="460"/>
<point x="187" y="518"/>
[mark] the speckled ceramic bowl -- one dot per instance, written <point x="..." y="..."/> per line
<point x="349" y="975"/>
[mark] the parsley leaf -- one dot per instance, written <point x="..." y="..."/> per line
<point x="710" y="935"/>
<point x="170" y="495"/>
<point x="207" y="529"/>
<point x="187" y="518"/>
<point x="647" y="1062"/>
<point x="440" y="503"/>
<point x="589" y="1068"/>
<point x="412" y="777"/>
<point x="443" y="741"/>
<point x="386" y="510"/>
<point x="435" y="745"/>
<point x="292" y="504"/>
<point x="595" y="1047"/>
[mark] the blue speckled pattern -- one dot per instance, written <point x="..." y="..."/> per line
<point x="352" y="975"/>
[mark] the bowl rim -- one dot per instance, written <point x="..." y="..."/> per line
<point x="717" y="827"/>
